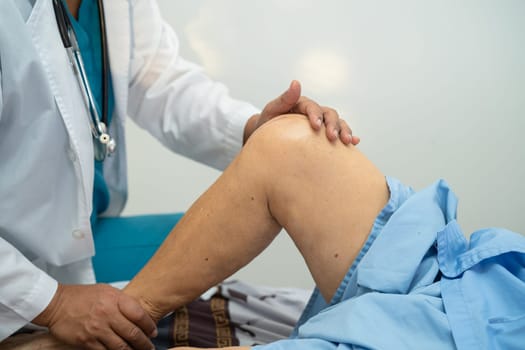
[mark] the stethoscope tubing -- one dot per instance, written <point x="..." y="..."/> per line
<point x="105" y="68"/>
<point x="103" y="143"/>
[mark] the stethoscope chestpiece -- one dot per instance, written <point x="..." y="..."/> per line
<point x="103" y="144"/>
<point x="103" y="147"/>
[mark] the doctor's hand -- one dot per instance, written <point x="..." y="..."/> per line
<point x="97" y="317"/>
<point x="291" y="101"/>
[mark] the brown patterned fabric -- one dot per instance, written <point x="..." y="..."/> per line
<point x="202" y="323"/>
<point x="233" y="313"/>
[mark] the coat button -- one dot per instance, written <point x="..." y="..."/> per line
<point x="77" y="234"/>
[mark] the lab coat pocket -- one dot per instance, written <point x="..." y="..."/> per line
<point x="506" y="332"/>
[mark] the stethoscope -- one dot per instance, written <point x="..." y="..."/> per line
<point x="103" y="144"/>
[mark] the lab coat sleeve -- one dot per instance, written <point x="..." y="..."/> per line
<point x="25" y="290"/>
<point x="175" y="101"/>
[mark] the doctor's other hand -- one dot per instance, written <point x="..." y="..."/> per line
<point x="291" y="101"/>
<point x="97" y="317"/>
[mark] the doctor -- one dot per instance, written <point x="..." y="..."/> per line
<point x="54" y="123"/>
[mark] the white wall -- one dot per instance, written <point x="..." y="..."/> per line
<point x="434" y="88"/>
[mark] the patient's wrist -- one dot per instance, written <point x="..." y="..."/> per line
<point x="153" y="308"/>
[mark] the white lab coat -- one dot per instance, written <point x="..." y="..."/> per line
<point x="46" y="154"/>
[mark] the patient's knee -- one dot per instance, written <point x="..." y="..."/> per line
<point x="289" y="143"/>
<point x="285" y="133"/>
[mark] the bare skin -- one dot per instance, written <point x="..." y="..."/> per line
<point x="99" y="317"/>
<point x="36" y="340"/>
<point x="326" y="195"/>
<point x="291" y="101"/>
<point x="73" y="6"/>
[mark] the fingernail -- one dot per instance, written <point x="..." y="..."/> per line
<point x="336" y="132"/>
<point x="154" y="334"/>
<point x="319" y="121"/>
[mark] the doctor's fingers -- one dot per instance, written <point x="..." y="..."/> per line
<point x="126" y="332"/>
<point x="284" y="103"/>
<point x="119" y="334"/>
<point x="103" y="314"/>
<point x="134" y="324"/>
<point x="335" y="126"/>
<point x="108" y="341"/>
<point x="346" y="135"/>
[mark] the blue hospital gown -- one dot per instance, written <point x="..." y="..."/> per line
<point x="418" y="284"/>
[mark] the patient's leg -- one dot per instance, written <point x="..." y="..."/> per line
<point x="326" y="195"/>
<point x="33" y="341"/>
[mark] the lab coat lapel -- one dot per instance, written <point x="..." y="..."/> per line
<point x="66" y="90"/>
